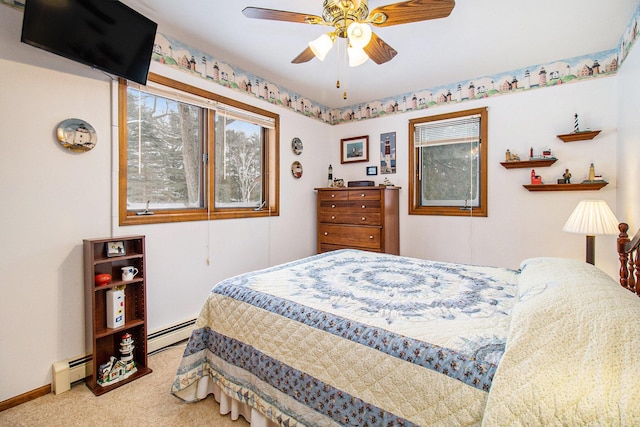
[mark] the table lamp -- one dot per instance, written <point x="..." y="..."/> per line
<point x="592" y="217"/>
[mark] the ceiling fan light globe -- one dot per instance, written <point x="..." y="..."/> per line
<point x="357" y="56"/>
<point x="321" y="46"/>
<point x="359" y="34"/>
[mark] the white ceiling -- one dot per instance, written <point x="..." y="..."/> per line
<point x="479" y="38"/>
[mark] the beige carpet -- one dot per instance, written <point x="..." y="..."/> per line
<point x="144" y="402"/>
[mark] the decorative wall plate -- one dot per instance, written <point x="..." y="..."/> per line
<point x="296" y="169"/>
<point x="76" y="135"/>
<point x="296" y="145"/>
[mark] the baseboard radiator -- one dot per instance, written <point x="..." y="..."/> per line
<point x="68" y="371"/>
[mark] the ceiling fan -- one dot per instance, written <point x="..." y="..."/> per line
<point x="350" y="20"/>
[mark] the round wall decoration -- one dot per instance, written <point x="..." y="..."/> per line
<point x="76" y="135"/>
<point x="296" y="169"/>
<point x="296" y="145"/>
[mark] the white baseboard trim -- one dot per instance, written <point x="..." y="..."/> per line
<point x="69" y="371"/>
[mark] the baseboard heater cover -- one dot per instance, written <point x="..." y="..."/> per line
<point x="69" y="371"/>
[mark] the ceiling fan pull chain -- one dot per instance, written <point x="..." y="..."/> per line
<point x="338" y="65"/>
<point x="344" y="63"/>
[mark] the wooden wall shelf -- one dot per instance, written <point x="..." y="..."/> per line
<point x="566" y="187"/>
<point x="536" y="163"/>
<point x="579" y="136"/>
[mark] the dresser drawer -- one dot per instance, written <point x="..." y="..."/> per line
<point x="333" y="195"/>
<point x="364" y="218"/>
<point x="337" y="216"/>
<point x="364" y="206"/>
<point x="334" y="205"/>
<point x="327" y="248"/>
<point x="349" y="235"/>
<point x="364" y="194"/>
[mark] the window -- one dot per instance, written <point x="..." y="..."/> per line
<point x="449" y="157"/>
<point x="188" y="155"/>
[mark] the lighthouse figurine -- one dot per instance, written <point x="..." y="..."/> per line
<point x="126" y="349"/>
<point x="118" y="369"/>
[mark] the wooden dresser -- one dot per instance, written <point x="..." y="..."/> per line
<point x="359" y="217"/>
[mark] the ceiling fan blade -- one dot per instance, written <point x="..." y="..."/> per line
<point x="411" y="11"/>
<point x="281" y="15"/>
<point x="379" y="51"/>
<point x="305" y="56"/>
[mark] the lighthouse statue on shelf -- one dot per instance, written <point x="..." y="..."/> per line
<point x="117" y="370"/>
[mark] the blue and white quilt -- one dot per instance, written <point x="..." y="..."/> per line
<point x="354" y="338"/>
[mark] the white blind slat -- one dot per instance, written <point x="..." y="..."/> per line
<point x="452" y="131"/>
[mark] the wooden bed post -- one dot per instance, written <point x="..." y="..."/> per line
<point x="623" y="239"/>
<point x="629" y="254"/>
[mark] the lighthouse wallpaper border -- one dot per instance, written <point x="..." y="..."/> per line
<point x="172" y="53"/>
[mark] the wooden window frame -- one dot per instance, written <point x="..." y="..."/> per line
<point x="414" y="168"/>
<point x="270" y="176"/>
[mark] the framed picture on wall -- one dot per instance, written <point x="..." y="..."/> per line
<point x="354" y="149"/>
<point x="388" y="152"/>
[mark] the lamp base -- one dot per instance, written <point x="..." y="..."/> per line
<point x="591" y="249"/>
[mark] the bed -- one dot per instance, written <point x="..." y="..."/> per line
<point x="366" y="339"/>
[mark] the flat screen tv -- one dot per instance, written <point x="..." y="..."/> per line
<point x="104" y="34"/>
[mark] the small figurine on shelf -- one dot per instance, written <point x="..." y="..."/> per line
<point x="576" y="126"/>
<point x="567" y="176"/>
<point x="535" y="179"/>
<point x="507" y="155"/>
<point x="531" y="153"/>
<point x="592" y="172"/>
<point x="387" y="183"/>
<point x="330" y="177"/>
<point x="117" y="370"/>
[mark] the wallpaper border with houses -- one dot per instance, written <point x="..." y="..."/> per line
<point x="173" y="53"/>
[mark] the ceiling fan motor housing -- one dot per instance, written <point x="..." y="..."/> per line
<point x="341" y="13"/>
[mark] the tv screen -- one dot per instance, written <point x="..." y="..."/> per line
<point x="104" y="34"/>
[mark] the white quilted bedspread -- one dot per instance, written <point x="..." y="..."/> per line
<point x="275" y="339"/>
<point x="573" y="351"/>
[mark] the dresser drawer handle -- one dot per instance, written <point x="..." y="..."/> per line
<point x="326" y="234"/>
<point x="364" y="206"/>
<point x="364" y="218"/>
<point x="333" y="206"/>
<point x="333" y="217"/>
<point x="333" y="195"/>
<point x="371" y="237"/>
<point x="362" y="195"/>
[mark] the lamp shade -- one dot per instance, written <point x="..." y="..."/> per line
<point x="357" y="56"/>
<point x="359" y="34"/>
<point x="321" y="46"/>
<point x="592" y="217"/>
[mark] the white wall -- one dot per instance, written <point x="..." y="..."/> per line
<point x="52" y="199"/>
<point x="520" y="224"/>
<point x="629" y="141"/>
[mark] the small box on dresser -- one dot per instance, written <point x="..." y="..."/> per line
<point x="364" y="218"/>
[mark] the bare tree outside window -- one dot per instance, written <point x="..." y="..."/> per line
<point x="187" y="154"/>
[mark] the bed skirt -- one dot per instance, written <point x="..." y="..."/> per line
<point x="231" y="406"/>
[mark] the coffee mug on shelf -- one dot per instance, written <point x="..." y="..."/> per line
<point x="129" y="272"/>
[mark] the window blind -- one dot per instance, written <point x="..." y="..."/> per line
<point x="245" y="116"/>
<point x="199" y="101"/>
<point x="452" y="131"/>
